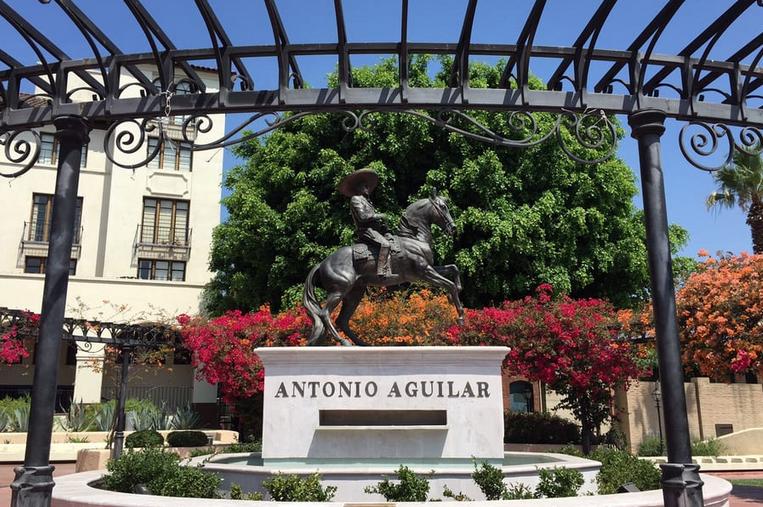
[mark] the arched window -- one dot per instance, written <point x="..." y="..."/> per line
<point x="521" y="396"/>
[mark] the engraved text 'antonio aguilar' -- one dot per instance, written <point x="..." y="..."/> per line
<point x="370" y="389"/>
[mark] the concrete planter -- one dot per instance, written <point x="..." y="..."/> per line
<point x="13" y="445"/>
<point x="75" y="491"/>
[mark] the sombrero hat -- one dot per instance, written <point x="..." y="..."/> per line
<point x="350" y="184"/>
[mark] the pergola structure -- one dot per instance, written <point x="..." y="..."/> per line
<point x="721" y="99"/>
<point x="122" y="338"/>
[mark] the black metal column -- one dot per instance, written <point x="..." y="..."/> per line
<point x="681" y="484"/>
<point x="119" y="432"/>
<point x="33" y="484"/>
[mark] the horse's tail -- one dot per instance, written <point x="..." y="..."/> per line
<point x="313" y="306"/>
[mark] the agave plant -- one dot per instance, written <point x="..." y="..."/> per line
<point x="77" y="418"/>
<point x="20" y="418"/>
<point x="104" y="417"/>
<point x="5" y="422"/>
<point x="185" y="418"/>
<point x="151" y="419"/>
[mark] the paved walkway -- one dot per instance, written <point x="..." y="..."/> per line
<point x="741" y="496"/>
<point x="744" y="496"/>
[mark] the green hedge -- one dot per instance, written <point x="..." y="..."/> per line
<point x="145" y="438"/>
<point x="539" y="428"/>
<point x="187" y="439"/>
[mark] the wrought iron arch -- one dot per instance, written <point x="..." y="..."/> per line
<point x="721" y="99"/>
<point x="623" y="89"/>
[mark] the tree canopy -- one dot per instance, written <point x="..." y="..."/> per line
<point x="524" y="216"/>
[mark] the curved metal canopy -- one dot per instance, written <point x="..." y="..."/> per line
<point x="687" y="86"/>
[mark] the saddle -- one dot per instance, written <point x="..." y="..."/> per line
<point x="361" y="252"/>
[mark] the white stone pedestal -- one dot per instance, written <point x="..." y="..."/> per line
<point x="379" y="405"/>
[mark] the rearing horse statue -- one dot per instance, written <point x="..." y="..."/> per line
<point x="346" y="278"/>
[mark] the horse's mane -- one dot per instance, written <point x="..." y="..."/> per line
<point x="410" y="224"/>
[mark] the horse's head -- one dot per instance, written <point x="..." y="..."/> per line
<point x="441" y="213"/>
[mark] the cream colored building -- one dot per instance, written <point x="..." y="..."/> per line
<point x="141" y="250"/>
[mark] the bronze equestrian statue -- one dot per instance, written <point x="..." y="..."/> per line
<point x="378" y="259"/>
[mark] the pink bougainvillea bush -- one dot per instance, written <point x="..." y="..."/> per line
<point x="572" y="345"/>
<point x="223" y="347"/>
<point x="12" y="347"/>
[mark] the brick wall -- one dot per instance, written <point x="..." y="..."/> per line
<point x="707" y="404"/>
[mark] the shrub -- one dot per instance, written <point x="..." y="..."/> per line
<point x="490" y="480"/>
<point x="236" y="493"/>
<point x="621" y="467"/>
<point x="457" y="497"/>
<point x="138" y="467"/>
<point x="187" y="439"/>
<point x="518" y="492"/>
<point x="411" y="487"/>
<point x="145" y="438"/>
<point x="292" y="488"/>
<point x="161" y="473"/>
<point x="710" y="447"/>
<point x="558" y="482"/>
<point x="244" y="447"/>
<point x="651" y="446"/>
<point x="539" y="428"/>
<point x="186" y="481"/>
<point x="8" y="411"/>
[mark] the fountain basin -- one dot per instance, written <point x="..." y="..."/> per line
<point x="351" y="477"/>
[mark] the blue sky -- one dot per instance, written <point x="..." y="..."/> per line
<point x="435" y="21"/>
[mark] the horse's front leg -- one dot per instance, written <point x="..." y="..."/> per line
<point x="432" y="276"/>
<point x="451" y="272"/>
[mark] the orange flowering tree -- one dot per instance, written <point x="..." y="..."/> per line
<point x="720" y="316"/>
<point x="404" y="318"/>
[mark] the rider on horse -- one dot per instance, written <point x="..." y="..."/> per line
<point x="370" y="225"/>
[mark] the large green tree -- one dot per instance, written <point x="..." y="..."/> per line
<point x="524" y="216"/>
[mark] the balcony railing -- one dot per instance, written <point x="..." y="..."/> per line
<point x="36" y="232"/>
<point x="162" y="242"/>
<point x="150" y="235"/>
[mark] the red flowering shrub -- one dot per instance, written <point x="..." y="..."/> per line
<point x="12" y="349"/>
<point x="570" y="344"/>
<point x="223" y="347"/>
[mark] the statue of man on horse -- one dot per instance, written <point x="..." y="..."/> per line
<point x="378" y="259"/>
<point x="369" y="224"/>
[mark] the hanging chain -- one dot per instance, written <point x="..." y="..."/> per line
<point x="168" y="94"/>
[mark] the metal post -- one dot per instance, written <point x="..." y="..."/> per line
<point x="119" y="434"/>
<point x="658" y="406"/>
<point x="33" y="484"/>
<point x="681" y="484"/>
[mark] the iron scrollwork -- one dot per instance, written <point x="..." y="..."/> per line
<point x="589" y="137"/>
<point x="700" y="141"/>
<point x="20" y="147"/>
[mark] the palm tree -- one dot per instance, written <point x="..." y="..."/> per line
<point x="741" y="183"/>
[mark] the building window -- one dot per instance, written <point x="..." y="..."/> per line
<point x="34" y="264"/>
<point x="521" y="397"/>
<point x="49" y="151"/>
<point x="154" y="269"/>
<point x="174" y="155"/>
<point x="165" y="222"/>
<point x="39" y="223"/>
